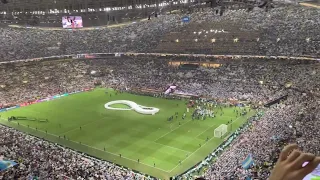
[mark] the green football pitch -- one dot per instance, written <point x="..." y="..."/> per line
<point x="159" y="144"/>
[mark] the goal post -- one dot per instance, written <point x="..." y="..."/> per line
<point x="221" y="131"/>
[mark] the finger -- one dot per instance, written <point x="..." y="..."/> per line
<point x="309" y="167"/>
<point x="304" y="157"/>
<point x="286" y="150"/>
<point x="293" y="155"/>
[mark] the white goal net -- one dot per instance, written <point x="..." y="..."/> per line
<point x="221" y="130"/>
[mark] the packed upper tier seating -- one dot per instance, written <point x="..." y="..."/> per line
<point x="288" y="30"/>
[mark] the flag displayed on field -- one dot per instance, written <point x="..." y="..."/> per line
<point x="6" y="164"/>
<point x="170" y="89"/>
<point x="247" y="162"/>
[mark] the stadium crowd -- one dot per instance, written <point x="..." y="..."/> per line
<point x="39" y="159"/>
<point x="288" y="30"/>
<point x="252" y="79"/>
<point x="256" y="80"/>
<point x="293" y="121"/>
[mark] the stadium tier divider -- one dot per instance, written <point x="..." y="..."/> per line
<point x="118" y="54"/>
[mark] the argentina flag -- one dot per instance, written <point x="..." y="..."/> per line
<point x="6" y="164"/>
<point x="247" y="162"/>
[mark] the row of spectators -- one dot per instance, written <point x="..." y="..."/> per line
<point x="256" y="80"/>
<point x="39" y="159"/>
<point x="21" y="43"/>
<point x="294" y="121"/>
<point x="287" y="30"/>
<point x="251" y="79"/>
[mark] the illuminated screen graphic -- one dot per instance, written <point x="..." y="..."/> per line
<point x="72" y="22"/>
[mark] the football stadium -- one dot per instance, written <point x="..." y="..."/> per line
<point x="159" y="89"/>
<point x="161" y="144"/>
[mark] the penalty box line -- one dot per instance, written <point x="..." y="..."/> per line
<point x="96" y="149"/>
<point x="172" y="130"/>
<point x="215" y="125"/>
<point x="165" y="144"/>
<point x="200" y="148"/>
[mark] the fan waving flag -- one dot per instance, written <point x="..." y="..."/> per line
<point x="6" y="164"/>
<point x="247" y="162"/>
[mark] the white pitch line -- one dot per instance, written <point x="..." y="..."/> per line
<point x="81" y="126"/>
<point x="193" y="153"/>
<point x="122" y="157"/>
<point x="206" y="130"/>
<point x="199" y="148"/>
<point x="215" y="125"/>
<point x="99" y="150"/>
<point x="135" y="160"/>
<point x="173" y="147"/>
<point x="71" y="129"/>
<point x="164" y="144"/>
<point x="171" y="131"/>
<point x="228" y="117"/>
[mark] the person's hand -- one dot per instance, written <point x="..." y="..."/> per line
<point x="290" y="167"/>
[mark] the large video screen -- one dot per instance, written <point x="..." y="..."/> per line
<point x="72" y="22"/>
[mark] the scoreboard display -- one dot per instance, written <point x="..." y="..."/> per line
<point x="69" y="22"/>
